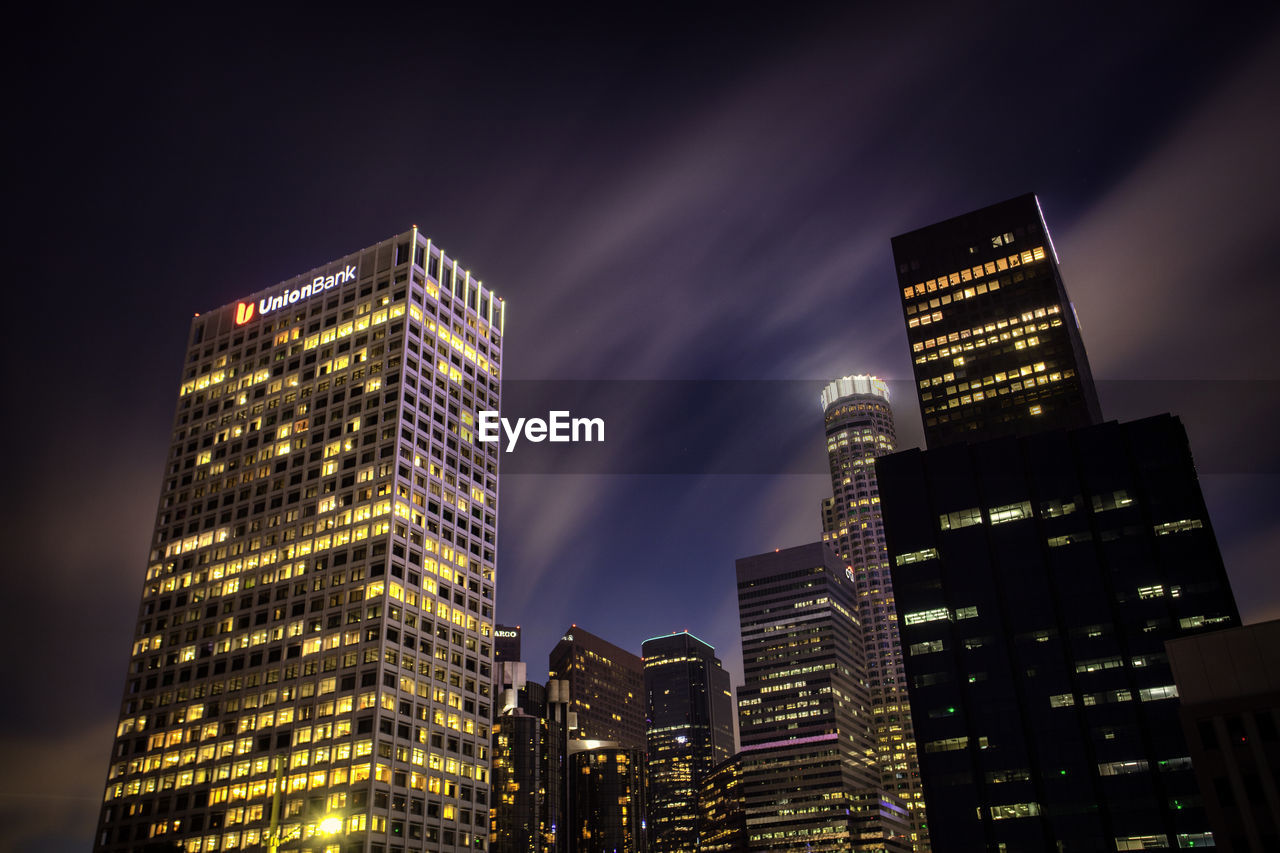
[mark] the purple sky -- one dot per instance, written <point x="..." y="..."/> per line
<point x="695" y="197"/>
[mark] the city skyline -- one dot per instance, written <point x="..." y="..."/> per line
<point x="713" y="204"/>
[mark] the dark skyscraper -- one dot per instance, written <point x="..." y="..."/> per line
<point x="810" y="781"/>
<point x="690" y="731"/>
<point x="606" y="688"/>
<point x="1037" y="580"/>
<point x="313" y="650"/>
<point x="995" y="345"/>
<point x="1038" y="574"/>
<point x="859" y="430"/>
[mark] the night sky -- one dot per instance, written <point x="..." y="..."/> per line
<point x="668" y="199"/>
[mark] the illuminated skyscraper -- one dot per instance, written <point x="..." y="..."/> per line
<point x="859" y="429"/>
<point x="690" y="731"/>
<point x="607" y="786"/>
<point x="995" y="344"/>
<point x="1041" y="559"/>
<point x="809" y="777"/>
<point x="314" y="647"/>
<point x="606" y="688"/>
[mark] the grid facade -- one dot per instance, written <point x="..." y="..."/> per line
<point x="807" y="758"/>
<point x="1037" y="581"/>
<point x="859" y="430"/>
<point x="313" y="649"/>
<point x="606" y="688"/>
<point x="995" y="343"/>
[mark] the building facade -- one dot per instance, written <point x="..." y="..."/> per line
<point x="527" y="784"/>
<point x="314" y="648"/>
<point x="807" y="757"/>
<point x="859" y="430"/>
<point x="1229" y="692"/>
<point x="1037" y="580"/>
<point x="506" y="643"/>
<point x="690" y="730"/>
<point x="608" y="800"/>
<point x="723" y="823"/>
<point x="606" y="688"/>
<point x="995" y="343"/>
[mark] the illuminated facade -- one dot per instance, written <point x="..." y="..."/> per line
<point x="995" y="344"/>
<point x="527" y="783"/>
<point x="689" y="707"/>
<point x="314" y="647"/>
<point x="607" y="813"/>
<point x="859" y="429"/>
<point x="723" y="826"/>
<point x="1037" y="580"/>
<point x="606" y="688"/>
<point x="808" y="761"/>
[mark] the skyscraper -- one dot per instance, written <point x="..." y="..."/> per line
<point x="606" y="688"/>
<point x="506" y="643"/>
<point x="607" y="814"/>
<point x="810" y="781"/>
<point x="690" y="730"/>
<point x="859" y="429"/>
<point x="1040" y="558"/>
<point x="723" y="824"/>
<point x="313" y="649"/>
<point x="1037" y="580"/>
<point x="995" y="344"/>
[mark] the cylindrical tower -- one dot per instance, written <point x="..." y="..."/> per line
<point x="859" y="427"/>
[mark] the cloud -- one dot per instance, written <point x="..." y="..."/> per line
<point x="1174" y="270"/>
<point x="53" y="785"/>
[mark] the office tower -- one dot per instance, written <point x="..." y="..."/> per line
<point x="608" y="809"/>
<point x="606" y="688"/>
<point x="723" y="824"/>
<point x="808" y="761"/>
<point x="690" y="731"/>
<point x="527" y="783"/>
<point x="1037" y="580"/>
<point x="995" y="343"/>
<point x="313" y="648"/>
<point x="1229" y="692"/>
<point x="859" y="429"/>
<point x="506" y="643"/>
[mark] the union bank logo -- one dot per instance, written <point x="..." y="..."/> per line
<point x="246" y="311"/>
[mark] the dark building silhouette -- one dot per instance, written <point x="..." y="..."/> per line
<point x="606" y="688"/>
<point x="690" y="730"/>
<point x="808" y="764"/>
<point x="608" y="800"/>
<point x="1037" y="580"/>
<point x="317" y="605"/>
<point x="859" y="430"/>
<point x="995" y="343"/>
<point x="1229" y="691"/>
